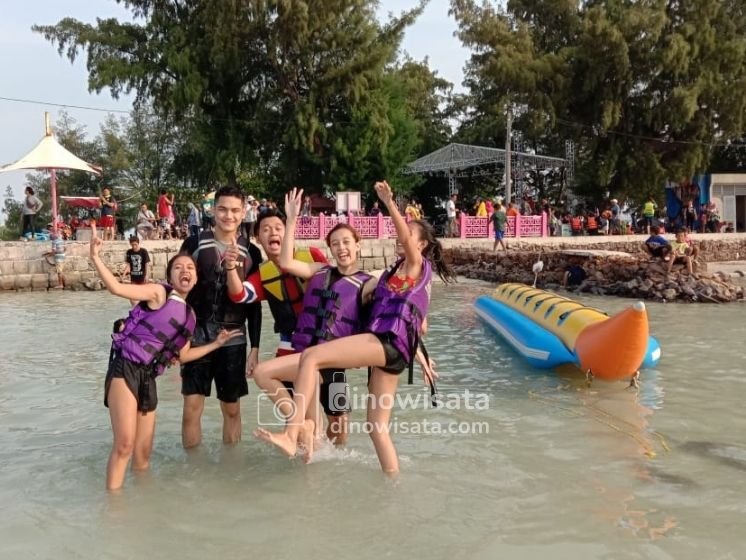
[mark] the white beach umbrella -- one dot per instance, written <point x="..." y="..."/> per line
<point x="49" y="154"/>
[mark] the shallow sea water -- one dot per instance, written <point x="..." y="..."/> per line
<point x="536" y="464"/>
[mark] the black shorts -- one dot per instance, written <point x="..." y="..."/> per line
<point x="137" y="279"/>
<point x="139" y="379"/>
<point x="395" y="362"/>
<point x="226" y="365"/>
<point x="334" y="392"/>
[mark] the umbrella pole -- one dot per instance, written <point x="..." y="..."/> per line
<point x="53" y="173"/>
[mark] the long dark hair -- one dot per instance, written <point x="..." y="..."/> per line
<point x="433" y="251"/>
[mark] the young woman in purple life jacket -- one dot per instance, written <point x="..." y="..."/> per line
<point x="400" y="304"/>
<point x="332" y="302"/>
<point x="156" y="332"/>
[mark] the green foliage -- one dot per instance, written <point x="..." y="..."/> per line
<point x="277" y="93"/>
<point x="730" y="158"/>
<point x="644" y="88"/>
<point x="11" y="229"/>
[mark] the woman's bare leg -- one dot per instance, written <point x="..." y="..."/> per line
<point x="144" y="436"/>
<point x="382" y="388"/>
<point x="347" y="353"/>
<point x="269" y="376"/>
<point x="123" y="413"/>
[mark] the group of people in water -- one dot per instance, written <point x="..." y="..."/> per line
<point x="329" y="318"/>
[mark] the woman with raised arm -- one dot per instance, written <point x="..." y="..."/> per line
<point x="156" y="332"/>
<point x="331" y="308"/>
<point x="400" y="305"/>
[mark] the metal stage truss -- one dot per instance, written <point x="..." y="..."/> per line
<point x="463" y="160"/>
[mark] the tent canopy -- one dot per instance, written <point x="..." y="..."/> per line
<point x="49" y="154"/>
<point x="82" y="201"/>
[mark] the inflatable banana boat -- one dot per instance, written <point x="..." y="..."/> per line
<point x="549" y="330"/>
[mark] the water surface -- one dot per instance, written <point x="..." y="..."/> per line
<point x="550" y="468"/>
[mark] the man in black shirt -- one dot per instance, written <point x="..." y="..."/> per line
<point x="137" y="262"/>
<point x="215" y="310"/>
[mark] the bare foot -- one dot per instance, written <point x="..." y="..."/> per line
<point x="281" y="440"/>
<point x="306" y="439"/>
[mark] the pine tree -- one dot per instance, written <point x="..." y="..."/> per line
<point x="645" y="88"/>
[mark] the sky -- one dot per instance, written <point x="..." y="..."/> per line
<point x="32" y="69"/>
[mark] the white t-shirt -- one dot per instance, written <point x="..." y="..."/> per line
<point x="145" y="218"/>
<point x="451" y="209"/>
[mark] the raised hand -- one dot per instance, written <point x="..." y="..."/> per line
<point x="96" y="243"/>
<point x="231" y="255"/>
<point x="383" y="190"/>
<point x="293" y="203"/>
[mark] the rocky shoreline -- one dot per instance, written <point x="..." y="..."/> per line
<point x="607" y="273"/>
<point x="623" y="271"/>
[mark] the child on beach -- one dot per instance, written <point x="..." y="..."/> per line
<point x="340" y="291"/>
<point x="156" y="332"/>
<point x="656" y="245"/>
<point x="400" y="305"/>
<point x="499" y="220"/>
<point x="680" y="251"/>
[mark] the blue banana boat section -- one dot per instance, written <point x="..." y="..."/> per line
<point x="539" y="347"/>
<point x="550" y="330"/>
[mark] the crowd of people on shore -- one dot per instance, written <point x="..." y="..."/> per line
<point x="329" y="318"/>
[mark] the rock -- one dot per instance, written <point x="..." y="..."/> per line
<point x="94" y="284"/>
<point x="632" y="276"/>
<point x="632" y="284"/>
<point x="669" y="294"/>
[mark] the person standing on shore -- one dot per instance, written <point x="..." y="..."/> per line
<point x="108" y="210"/>
<point x="616" y="215"/>
<point x="499" y="220"/>
<point x="163" y="215"/>
<point x="137" y="262"/>
<point x="193" y="220"/>
<point x="648" y="212"/>
<point x="29" y="209"/>
<point x="215" y="311"/>
<point x="451" y="216"/>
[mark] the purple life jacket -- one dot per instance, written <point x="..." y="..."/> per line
<point x="331" y="308"/>
<point x="155" y="336"/>
<point x="401" y="314"/>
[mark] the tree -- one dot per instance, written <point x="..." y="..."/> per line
<point x="259" y="82"/>
<point x="644" y="88"/>
<point x="730" y="158"/>
<point x="12" y="211"/>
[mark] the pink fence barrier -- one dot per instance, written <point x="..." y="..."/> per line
<point x="381" y="227"/>
<point x="472" y="227"/>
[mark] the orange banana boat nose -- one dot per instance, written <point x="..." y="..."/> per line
<point x="615" y="348"/>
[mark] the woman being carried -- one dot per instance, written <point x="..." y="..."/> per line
<point x="156" y="332"/>
<point x="400" y="305"/>
<point x="331" y="309"/>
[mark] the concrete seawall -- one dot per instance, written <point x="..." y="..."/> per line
<point x="30" y="266"/>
